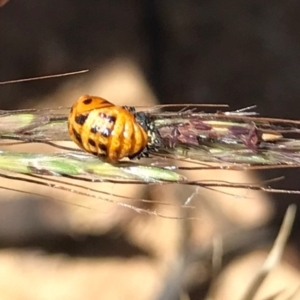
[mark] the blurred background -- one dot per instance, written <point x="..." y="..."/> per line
<point x="142" y="53"/>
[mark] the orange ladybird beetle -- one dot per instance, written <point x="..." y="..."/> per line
<point x="107" y="130"/>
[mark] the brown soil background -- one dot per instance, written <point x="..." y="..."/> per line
<point x="141" y="53"/>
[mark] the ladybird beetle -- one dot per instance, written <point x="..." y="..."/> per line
<point x="107" y="130"/>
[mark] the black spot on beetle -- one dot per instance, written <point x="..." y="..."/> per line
<point x="77" y="136"/>
<point x="87" y="101"/>
<point x="94" y="129"/>
<point x="103" y="148"/>
<point x="80" y="119"/>
<point x="92" y="142"/>
<point x="111" y="119"/>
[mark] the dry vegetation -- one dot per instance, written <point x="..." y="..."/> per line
<point x="52" y="250"/>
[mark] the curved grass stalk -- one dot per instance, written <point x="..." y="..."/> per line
<point x="43" y="77"/>
<point x="274" y="255"/>
<point x="81" y="164"/>
<point x="233" y="140"/>
<point x="88" y="168"/>
<point x="223" y="140"/>
<point x="92" y="193"/>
